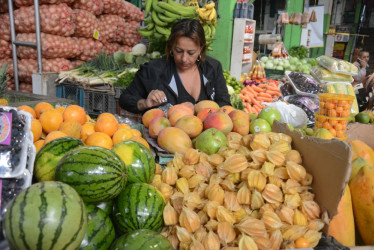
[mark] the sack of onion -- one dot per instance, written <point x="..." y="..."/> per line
<point x="112" y="28"/>
<point x="86" y="23"/>
<point x="131" y="39"/>
<point x="90" y="48"/>
<point x="20" y="3"/>
<point x="115" y="7"/>
<point x="26" y="67"/>
<point x="4" y="27"/>
<point x="96" y="7"/>
<point x="5" y="49"/>
<point x="56" y="19"/>
<point x="134" y="13"/>
<point x="52" y="46"/>
<point x="3" y="6"/>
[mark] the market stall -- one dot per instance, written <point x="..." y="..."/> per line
<point x="287" y="165"/>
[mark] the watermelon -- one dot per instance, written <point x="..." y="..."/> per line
<point x="138" y="159"/>
<point x="50" y="154"/>
<point x="142" y="239"/>
<point x="46" y="215"/>
<point x="100" y="231"/>
<point x="106" y="206"/>
<point x="139" y="206"/>
<point x="96" y="173"/>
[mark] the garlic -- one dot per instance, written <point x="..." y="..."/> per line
<point x="295" y="171"/>
<point x="231" y="202"/>
<point x="256" y="200"/>
<point x="299" y="218"/>
<point x="210" y="209"/>
<point x="224" y="215"/>
<point x="195" y="180"/>
<point x="170" y="215"/>
<point x="260" y="141"/>
<point x="252" y="227"/>
<point x="183" y="234"/>
<point x="204" y="169"/>
<point x="191" y="157"/>
<point x="196" y="245"/>
<point x="215" y="159"/>
<point x="166" y="190"/>
<point x="276" y="157"/>
<point x="271" y="220"/>
<point x="310" y="209"/>
<point x="244" y="195"/>
<point x="191" y="200"/>
<point x="256" y="180"/>
<point x="286" y="214"/>
<point x="272" y="194"/>
<point x="187" y="171"/>
<point x="247" y="243"/>
<point x="276" y="239"/>
<point x="235" y="163"/>
<point x="182" y="185"/>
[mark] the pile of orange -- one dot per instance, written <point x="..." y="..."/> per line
<point x="50" y="123"/>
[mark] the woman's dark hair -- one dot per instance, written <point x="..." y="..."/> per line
<point x="190" y="28"/>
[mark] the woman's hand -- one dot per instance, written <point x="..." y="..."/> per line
<point x="155" y="98"/>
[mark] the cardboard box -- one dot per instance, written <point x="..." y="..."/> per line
<point x="360" y="131"/>
<point x="328" y="161"/>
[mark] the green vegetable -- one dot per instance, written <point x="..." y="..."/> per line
<point x="236" y="102"/>
<point x="299" y="51"/>
<point x="233" y="82"/>
<point x="119" y="57"/>
<point x="129" y="58"/>
<point x="125" y="78"/>
<point x="141" y="60"/>
<point x="139" y="49"/>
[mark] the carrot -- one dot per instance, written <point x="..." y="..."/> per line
<point x="273" y="85"/>
<point x="256" y="109"/>
<point x="264" y="95"/>
<point x="247" y="93"/>
<point x="249" y="108"/>
<point x="264" y="99"/>
<point x="263" y="85"/>
<point x="257" y="89"/>
<point x="255" y="101"/>
<point x="244" y="98"/>
<point x="252" y="90"/>
<point x="272" y="92"/>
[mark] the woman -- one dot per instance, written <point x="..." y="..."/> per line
<point x="185" y="75"/>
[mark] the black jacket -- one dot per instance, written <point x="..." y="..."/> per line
<point x="159" y="74"/>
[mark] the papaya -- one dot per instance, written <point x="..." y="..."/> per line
<point x="357" y="164"/>
<point x="362" y="191"/>
<point x="361" y="149"/>
<point x="342" y="225"/>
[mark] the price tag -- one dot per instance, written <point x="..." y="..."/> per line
<point x="96" y="34"/>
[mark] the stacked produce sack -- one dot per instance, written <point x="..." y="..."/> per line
<point x="71" y="32"/>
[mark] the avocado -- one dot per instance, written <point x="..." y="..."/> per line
<point x="362" y="117"/>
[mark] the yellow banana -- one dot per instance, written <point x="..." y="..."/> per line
<point x="210" y="5"/>
<point x="204" y="13"/>
<point x="212" y="14"/>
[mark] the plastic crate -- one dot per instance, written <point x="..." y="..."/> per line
<point x="72" y="92"/>
<point x="96" y="102"/>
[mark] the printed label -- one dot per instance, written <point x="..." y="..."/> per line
<point x="5" y="128"/>
<point x="257" y="129"/>
<point x="309" y="104"/>
<point x="96" y="34"/>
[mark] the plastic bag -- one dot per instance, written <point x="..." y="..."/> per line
<point x="313" y="17"/>
<point x="305" y="18"/>
<point x="297" y="20"/>
<point x="308" y="104"/>
<point x="292" y="18"/>
<point x="343" y="88"/>
<point x="323" y="75"/>
<point x="337" y="66"/>
<point x="290" y="114"/>
<point x="283" y="19"/>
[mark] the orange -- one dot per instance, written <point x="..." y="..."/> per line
<point x="322" y="105"/>
<point x="141" y="140"/>
<point x="330" y="105"/>
<point x="107" y="125"/>
<point x="338" y="127"/>
<point x="123" y="125"/>
<point x="72" y="128"/>
<point x="28" y="109"/>
<point x="105" y="115"/>
<point x="302" y="243"/>
<point x="331" y="113"/>
<point x="333" y="132"/>
<point x="99" y="139"/>
<point x="87" y="129"/>
<point x="326" y="125"/>
<point x="42" y="107"/>
<point x="122" y="134"/>
<point x="51" y="120"/>
<point x="75" y="112"/>
<point x="61" y="109"/>
<point x="136" y="132"/>
<point x="38" y="145"/>
<point x="333" y="122"/>
<point x="340" y="133"/>
<point x="54" y="135"/>
<point x="36" y="129"/>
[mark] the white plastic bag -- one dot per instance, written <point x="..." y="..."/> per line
<point x="290" y="114"/>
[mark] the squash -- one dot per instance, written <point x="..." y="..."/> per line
<point x="357" y="164"/>
<point x="362" y="191"/>
<point x="342" y="226"/>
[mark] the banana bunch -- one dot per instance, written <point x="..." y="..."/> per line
<point x="192" y="3"/>
<point x="162" y="14"/>
<point x="208" y="18"/>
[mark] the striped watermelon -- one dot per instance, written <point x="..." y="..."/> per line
<point x="138" y="159"/>
<point x="100" y="231"/>
<point x="50" y="154"/>
<point x="142" y="239"/>
<point x="96" y="173"/>
<point x="139" y="206"/>
<point x="47" y="215"/>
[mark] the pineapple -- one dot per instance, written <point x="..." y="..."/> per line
<point x="3" y="80"/>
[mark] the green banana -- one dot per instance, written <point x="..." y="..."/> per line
<point x="162" y="30"/>
<point x="156" y="8"/>
<point x="179" y="11"/>
<point x="144" y="32"/>
<point x="166" y="18"/>
<point x="207" y="30"/>
<point x="182" y="7"/>
<point x="148" y="19"/>
<point x="150" y="26"/>
<point x="156" y="20"/>
<point x="212" y="30"/>
<point x="148" y="6"/>
<point x="172" y="15"/>
<point x="158" y="35"/>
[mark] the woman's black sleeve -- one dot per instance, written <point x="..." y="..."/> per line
<point x="138" y="89"/>
<point x="222" y="96"/>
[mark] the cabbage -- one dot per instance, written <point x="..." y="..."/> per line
<point x="269" y="65"/>
<point x="292" y="68"/>
<point x="264" y="59"/>
<point x="279" y="68"/>
<point x="293" y="60"/>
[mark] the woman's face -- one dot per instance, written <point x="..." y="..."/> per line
<point x="185" y="52"/>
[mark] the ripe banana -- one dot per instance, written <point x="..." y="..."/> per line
<point x="210" y="5"/>
<point x="212" y="14"/>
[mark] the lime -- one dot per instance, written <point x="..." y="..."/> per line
<point x="362" y="117"/>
